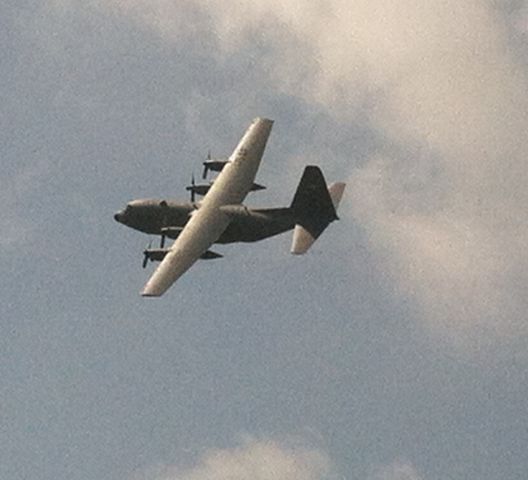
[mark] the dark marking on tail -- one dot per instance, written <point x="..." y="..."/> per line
<point x="312" y="206"/>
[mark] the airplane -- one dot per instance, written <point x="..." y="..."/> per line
<point x="222" y="218"/>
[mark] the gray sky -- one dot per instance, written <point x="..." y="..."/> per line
<point x="394" y="350"/>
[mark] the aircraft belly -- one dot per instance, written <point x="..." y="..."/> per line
<point x="257" y="225"/>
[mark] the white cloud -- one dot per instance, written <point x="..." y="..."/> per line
<point x="255" y="459"/>
<point x="397" y="470"/>
<point x="446" y="208"/>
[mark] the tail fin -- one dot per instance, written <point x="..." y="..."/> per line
<point x="314" y="208"/>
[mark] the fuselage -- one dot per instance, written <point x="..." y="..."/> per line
<point x="221" y="216"/>
<point x="155" y="217"/>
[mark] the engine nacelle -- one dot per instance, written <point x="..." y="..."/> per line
<point x="198" y="189"/>
<point x="158" y="254"/>
<point x="256" y="187"/>
<point x="214" y="164"/>
<point x="202" y="188"/>
<point x="171" y="232"/>
<point x="235" y="211"/>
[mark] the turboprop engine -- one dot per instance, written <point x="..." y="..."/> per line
<point x="158" y="254"/>
<point x="214" y="164"/>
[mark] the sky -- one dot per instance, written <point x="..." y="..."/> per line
<point x="394" y="350"/>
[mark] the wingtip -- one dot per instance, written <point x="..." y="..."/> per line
<point x="263" y="120"/>
<point x="149" y="295"/>
<point x="148" y="291"/>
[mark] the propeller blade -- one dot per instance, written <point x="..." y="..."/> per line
<point x="191" y="188"/>
<point x="162" y="241"/>
<point x="206" y="166"/>
<point x="145" y="254"/>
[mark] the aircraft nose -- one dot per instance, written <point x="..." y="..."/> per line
<point x="118" y="216"/>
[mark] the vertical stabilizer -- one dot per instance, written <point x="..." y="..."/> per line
<point x="314" y="208"/>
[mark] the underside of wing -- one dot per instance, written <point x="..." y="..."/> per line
<point x="199" y="234"/>
<point x="209" y="221"/>
<point x="172" y="267"/>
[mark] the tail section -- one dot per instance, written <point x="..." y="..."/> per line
<point x="336" y="190"/>
<point x="314" y="208"/>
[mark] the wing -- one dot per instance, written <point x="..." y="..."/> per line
<point x="208" y="222"/>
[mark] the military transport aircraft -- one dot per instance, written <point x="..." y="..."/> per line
<point x="221" y="218"/>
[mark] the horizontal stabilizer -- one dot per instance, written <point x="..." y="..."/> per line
<point x="336" y="192"/>
<point x="302" y="240"/>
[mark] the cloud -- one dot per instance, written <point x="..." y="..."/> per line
<point x="446" y="210"/>
<point x="398" y="470"/>
<point x="173" y="20"/>
<point x="444" y="200"/>
<point x="255" y="459"/>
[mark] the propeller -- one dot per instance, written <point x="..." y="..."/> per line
<point x="206" y="166"/>
<point x="192" y="188"/>
<point x="164" y="220"/>
<point x="193" y="184"/>
<point x="145" y="253"/>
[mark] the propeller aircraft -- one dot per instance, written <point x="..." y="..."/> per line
<point x="222" y="218"/>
